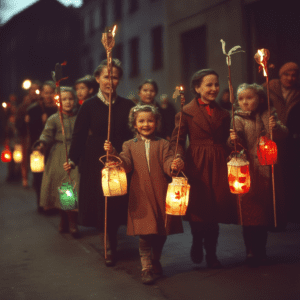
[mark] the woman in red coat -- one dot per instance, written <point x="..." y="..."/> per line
<point x="207" y="126"/>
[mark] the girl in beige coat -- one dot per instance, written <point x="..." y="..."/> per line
<point x="150" y="160"/>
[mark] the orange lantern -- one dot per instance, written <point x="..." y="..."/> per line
<point x="266" y="151"/>
<point x="17" y="154"/>
<point x="37" y="162"/>
<point x="177" y="196"/>
<point x="238" y="175"/>
<point x="6" y="155"/>
<point x="114" y="180"/>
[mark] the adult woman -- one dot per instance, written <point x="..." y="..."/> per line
<point x="89" y="135"/>
<point x="285" y="95"/>
<point x="207" y="126"/>
<point x="147" y="93"/>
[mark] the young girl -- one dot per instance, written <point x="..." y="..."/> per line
<point x="149" y="158"/>
<point x="207" y="126"/>
<point x="85" y="88"/>
<point x="252" y="121"/>
<point x="54" y="173"/>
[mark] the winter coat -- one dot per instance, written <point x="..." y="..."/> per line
<point x="257" y="204"/>
<point x="205" y="162"/>
<point x="89" y="135"/>
<point x="54" y="173"/>
<point x="148" y="189"/>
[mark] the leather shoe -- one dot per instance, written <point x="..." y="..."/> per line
<point x="109" y="260"/>
<point x="213" y="263"/>
<point x="147" y="277"/>
<point x="196" y="253"/>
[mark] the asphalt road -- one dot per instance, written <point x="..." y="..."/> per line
<point x="38" y="263"/>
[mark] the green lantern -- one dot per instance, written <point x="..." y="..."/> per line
<point x="68" y="196"/>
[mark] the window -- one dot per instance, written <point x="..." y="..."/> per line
<point x="134" y="57"/>
<point x="118" y="52"/>
<point x="133" y="6"/>
<point x="118" y="10"/>
<point x="157" y="48"/>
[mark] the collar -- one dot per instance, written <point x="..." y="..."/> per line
<point x="211" y="104"/>
<point x="102" y="98"/>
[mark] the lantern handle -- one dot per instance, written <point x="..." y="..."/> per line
<point x="104" y="163"/>
<point x="72" y="180"/>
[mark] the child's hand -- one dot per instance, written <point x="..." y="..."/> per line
<point x="27" y="119"/>
<point x="67" y="167"/>
<point x="108" y="147"/>
<point x="44" y="118"/>
<point x="177" y="164"/>
<point x="272" y="123"/>
<point x="233" y="135"/>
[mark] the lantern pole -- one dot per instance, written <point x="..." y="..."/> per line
<point x="57" y="76"/>
<point x="108" y="42"/>
<point x="262" y="56"/>
<point x="233" y="50"/>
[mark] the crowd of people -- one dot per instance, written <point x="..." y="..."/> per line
<point x="152" y="141"/>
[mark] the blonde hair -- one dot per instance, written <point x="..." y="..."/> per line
<point x="143" y="108"/>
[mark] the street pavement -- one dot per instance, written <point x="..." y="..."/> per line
<point x="38" y="263"/>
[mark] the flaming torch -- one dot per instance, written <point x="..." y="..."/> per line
<point x="261" y="57"/>
<point x="238" y="166"/>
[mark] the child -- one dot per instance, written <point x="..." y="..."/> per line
<point x="54" y="173"/>
<point x="252" y="121"/>
<point x="148" y="157"/>
<point x="85" y="88"/>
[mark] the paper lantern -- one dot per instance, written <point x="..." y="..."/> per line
<point x="6" y="155"/>
<point x="266" y="151"/>
<point x="17" y="154"/>
<point x="67" y="196"/>
<point x="177" y="196"/>
<point x="37" y="162"/>
<point x="114" y="180"/>
<point x="238" y="175"/>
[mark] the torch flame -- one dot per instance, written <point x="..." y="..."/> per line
<point x="261" y="54"/>
<point x="114" y="30"/>
<point x="4" y="104"/>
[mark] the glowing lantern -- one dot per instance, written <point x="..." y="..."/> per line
<point x="26" y="84"/>
<point x="37" y="162"/>
<point x="17" y="154"/>
<point x="6" y="155"/>
<point x="238" y="175"/>
<point x="4" y="105"/>
<point x="67" y="196"/>
<point x="114" y="180"/>
<point x="266" y="151"/>
<point x="177" y="196"/>
<point x="56" y="98"/>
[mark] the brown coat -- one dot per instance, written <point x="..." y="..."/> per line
<point x="205" y="162"/>
<point x="257" y="204"/>
<point x="146" y="209"/>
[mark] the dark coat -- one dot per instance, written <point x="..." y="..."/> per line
<point x="205" y="162"/>
<point x="89" y="135"/>
<point x="257" y="204"/>
<point x="148" y="190"/>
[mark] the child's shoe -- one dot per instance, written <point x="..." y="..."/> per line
<point x="147" y="277"/>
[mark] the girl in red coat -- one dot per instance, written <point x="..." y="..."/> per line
<point x="207" y="126"/>
<point x="150" y="160"/>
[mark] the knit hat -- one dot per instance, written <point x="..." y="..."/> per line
<point x="290" y="66"/>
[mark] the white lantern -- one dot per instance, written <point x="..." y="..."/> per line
<point x="114" y="180"/>
<point x="37" y="162"/>
<point x="238" y="175"/>
<point x="17" y="154"/>
<point x="177" y="196"/>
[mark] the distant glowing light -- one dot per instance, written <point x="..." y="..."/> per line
<point x="37" y="92"/>
<point x="26" y="84"/>
<point x="4" y="104"/>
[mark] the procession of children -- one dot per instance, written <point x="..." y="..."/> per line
<point x="151" y="157"/>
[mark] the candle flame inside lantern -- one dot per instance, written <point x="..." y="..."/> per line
<point x="56" y="98"/>
<point x="37" y="92"/>
<point x="4" y="104"/>
<point x="181" y="88"/>
<point x="26" y="84"/>
<point x="261" y="54"/>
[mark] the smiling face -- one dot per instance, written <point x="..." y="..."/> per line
<point x="82" y="91"/>
<point x="104" y="83"/>
<point x="288" y="79"/>
<point x="248" y="100"/>
<point x="147" y="93"/>
<point x="208" y="88"/>
<point x="145" y="123"/>
<point x="67" y="100"/>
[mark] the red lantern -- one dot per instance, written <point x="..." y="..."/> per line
<point x="6" y="155"/>
<point x="266" y="151"/>
<point x="238" y="175"/>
